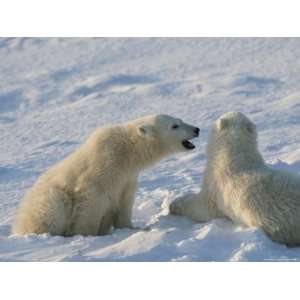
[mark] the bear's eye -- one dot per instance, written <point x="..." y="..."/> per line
<point x="175" y="126"/>
<point x="249" y="128"/>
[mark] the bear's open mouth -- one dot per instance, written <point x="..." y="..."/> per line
<point x="188" y="145"/>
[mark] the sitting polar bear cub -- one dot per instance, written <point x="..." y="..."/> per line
<point x="93" y="188"/>
<point x="238" y="184"/>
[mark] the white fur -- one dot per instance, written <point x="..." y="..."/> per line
<point x="93" y="188"/>
<point x="239" y="185"/>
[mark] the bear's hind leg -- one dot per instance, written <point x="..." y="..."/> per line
<point x="43" y="211"/>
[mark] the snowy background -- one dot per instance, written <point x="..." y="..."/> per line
<point x="54" y="92"/>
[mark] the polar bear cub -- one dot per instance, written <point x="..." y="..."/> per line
<point x="239" y="185"/>
<point x="93" y="188"/>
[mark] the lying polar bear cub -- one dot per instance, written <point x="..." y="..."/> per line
<point x="238" y="184"/>
<point x="93" y="188"/>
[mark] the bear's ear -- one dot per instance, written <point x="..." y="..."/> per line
<point x="145" y="130"/>
<point x="222" y="123"/>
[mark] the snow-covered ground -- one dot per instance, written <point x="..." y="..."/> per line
<point x="54" y="92"/>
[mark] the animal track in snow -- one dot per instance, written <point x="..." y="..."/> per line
<point x="250" y="85"/>
<point x="115" y="83"/>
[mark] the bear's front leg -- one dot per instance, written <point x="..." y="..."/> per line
<point x="180" y="205"/>
<point x="193" y="206"/>
<point x="122" y="218"/>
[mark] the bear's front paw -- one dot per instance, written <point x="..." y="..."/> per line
<point x="176" y="207"/>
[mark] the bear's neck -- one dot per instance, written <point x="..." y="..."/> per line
<point x="231" y="159"/>
<point x="146" y="152"/>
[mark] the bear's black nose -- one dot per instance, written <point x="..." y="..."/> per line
<point x="197" y="130"/>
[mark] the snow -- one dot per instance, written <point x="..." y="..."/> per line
<point x="54" y="92"/>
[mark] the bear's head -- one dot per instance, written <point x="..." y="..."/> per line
<point x="234" y="132"/>
<point x="172" y="134"/>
